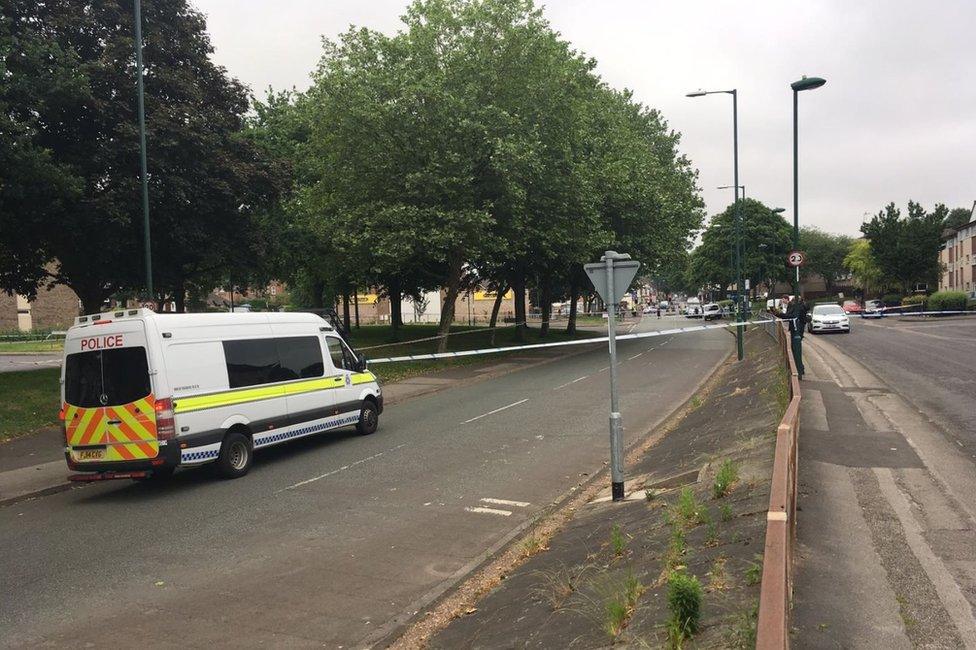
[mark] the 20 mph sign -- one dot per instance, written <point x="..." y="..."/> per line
<point x="796" y="258"/>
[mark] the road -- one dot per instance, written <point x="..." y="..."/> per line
<point x="14" y="362"/>
<point x="931" y="363"/>
<point x="333" y="540"/>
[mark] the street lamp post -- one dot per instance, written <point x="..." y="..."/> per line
<point x="738" y="229"/>
<point x="806" y="83"/>
<point x="142" y="147"/>
<point x="729" y="187"/>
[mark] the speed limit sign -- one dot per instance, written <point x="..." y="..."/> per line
<point x="796" y="258"/>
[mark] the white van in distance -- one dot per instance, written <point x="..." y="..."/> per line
<point x="143" y="393"/>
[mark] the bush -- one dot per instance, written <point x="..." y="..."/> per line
<point x="891" y="299"/>
<point x="947" y="301"/>
<point x="916" y="299"/>
<point x="684" y="601"/>
<point x="724" y="303"/>
<point x="971" y="305"/>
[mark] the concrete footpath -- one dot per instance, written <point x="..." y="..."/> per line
<point x="33" y="465"/>
<point x="886" y="554"/>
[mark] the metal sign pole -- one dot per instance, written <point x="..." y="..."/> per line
<point x="616" y="442"/>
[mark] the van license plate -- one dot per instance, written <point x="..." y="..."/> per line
<point x="91" y="454"/>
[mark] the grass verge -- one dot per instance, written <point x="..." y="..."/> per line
<point x="28" y="401"/>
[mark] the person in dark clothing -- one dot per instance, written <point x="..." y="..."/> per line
<point x="796" y="314"/>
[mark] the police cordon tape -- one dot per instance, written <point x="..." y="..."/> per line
<point x="536" y="346"/>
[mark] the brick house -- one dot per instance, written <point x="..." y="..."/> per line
<point x="958" y="258"/>
<point x="53" y="309"/>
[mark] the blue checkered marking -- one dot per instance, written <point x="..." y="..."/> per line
<point x="304" y="431"/>
<point x="199" y="455"/>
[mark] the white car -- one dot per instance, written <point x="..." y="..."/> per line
<point x="828" y="318"/>
<point x="712" y="311"/>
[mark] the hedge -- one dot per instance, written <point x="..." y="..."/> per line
<point x="947" y="301"/>
<point x="917" y="299"/>
<point x="891" y="299"/>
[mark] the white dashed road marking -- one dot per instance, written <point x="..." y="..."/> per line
<point x="569" y="383"/>
<point x="478" y="417"/>
<point x="341" y="469"/>
<point x="489" y="511"/>
<point x="506" y="502"/>
<point x="635" y="356"/>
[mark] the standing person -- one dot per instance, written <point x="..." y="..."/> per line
<point x="658" y="310"/>
<point x="796" y="313"/>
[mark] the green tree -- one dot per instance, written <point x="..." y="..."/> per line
<point x="765" y="242"/>
<point x="825" y="254"/>
<point x="861" y="263"/>
<point x="907" y="249"/>
<point x="206" y="181"/>
<point x="958" y="217"/>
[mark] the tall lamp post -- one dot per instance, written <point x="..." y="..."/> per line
<point x="729" y="187"/>
<point x="142" y="146"/>
<point x="735" y="181"/>
<point x="806" y="83"/>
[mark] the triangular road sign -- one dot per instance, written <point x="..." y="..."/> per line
<point x="623" y="274"/>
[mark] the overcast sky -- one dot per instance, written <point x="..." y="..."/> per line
<point x="896" y="120"/>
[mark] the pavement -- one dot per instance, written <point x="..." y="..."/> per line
<point x="16" y="362"/>
<point x="337" y="539"/>
<point x="886" y="551"/>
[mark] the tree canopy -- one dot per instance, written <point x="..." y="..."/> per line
<point x="906" y="248"/>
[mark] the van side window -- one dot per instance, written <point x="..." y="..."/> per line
<point x="251" y="362"/>
<point x="341" y="357"/>
<point x="301" y="357"/>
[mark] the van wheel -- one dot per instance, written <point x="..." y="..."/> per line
<point x="369" y="418"/>
<point x="235" y="455"/>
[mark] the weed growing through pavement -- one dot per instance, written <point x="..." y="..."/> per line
<point x="726" y="511"/>
<point x="559" y="584"/>
<point x="533" y="545"/>
<point x="743" y="632"/>
<point x="689" y="509"/>
<point x="684" y="602"/>
<point x="726" y="477"/>
<point x="711" y="535"/>
<point x="618" y="543"/>
<point x="754" y="571"/>
<point x="696" y="401"/>
<point x="650" y="494"/>
<point x="718" y="576"/>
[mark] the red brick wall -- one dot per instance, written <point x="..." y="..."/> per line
<point x="54" y="309"/>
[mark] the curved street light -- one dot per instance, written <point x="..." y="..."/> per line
<point x="806" y="83"/>
<point x="738" y="230"/>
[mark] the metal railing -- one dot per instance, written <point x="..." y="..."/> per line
<point x="776" y="591"/>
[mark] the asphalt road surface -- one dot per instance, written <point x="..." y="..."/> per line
<point x="14" y="362"/>
<point x="331" y="540"/>
<point x="931" y="363"/>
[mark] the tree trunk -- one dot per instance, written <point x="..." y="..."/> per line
<point x="345" y="310"/>
<point x="179" y="297"/>
<point x="493" y="323"/>
<point x="518" y="286"/>
<point x="447" y="310"/>
<point x="355" y="302"/>
<point x="91" y="298"/>
<point x="317" y="288"/>
<point x="545" y="297"/>
<point x="573" y="297"/>
<point x="396" y="302"/>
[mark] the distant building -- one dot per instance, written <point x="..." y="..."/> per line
<point x="958" y="258"/>
<point x="53" y="309"/>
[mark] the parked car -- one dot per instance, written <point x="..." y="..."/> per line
<point x="828" y="318"/>
<point x="712" y="311"/>
<point x="693" y="308"/>
<point x="852" y="307"/>
<point x="873" y="309"/>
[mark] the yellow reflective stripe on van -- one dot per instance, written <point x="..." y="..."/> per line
<point x="241" y="396"/>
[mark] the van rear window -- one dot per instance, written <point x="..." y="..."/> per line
<point x="106" y="377"/>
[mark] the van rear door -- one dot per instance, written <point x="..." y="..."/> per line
<point x="108" y="402"/>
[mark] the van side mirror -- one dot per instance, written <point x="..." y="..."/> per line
<point x="361" y="364"/>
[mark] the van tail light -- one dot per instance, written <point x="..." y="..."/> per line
<point x="165" y="420"/>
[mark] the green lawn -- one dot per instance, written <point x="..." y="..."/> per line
<point x="31" y="347"/>
<point x="28" y="401"/>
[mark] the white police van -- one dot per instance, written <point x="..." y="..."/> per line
<point x="143" y="393"/>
